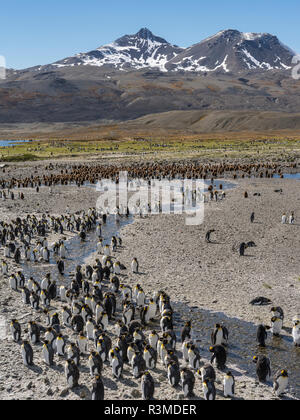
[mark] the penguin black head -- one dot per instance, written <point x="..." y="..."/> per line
<point x="284" y="373"/>
<point x="255" y="359"/>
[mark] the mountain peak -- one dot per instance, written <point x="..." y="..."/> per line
<point x="227" y="51"/>
<point x="145" y="33"/>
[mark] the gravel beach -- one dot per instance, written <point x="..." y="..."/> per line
<point x="207" y="283"/>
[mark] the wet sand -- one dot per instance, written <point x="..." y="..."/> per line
<point x="207" y="283"/>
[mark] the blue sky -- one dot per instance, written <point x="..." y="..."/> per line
<point x="40" y="32"/>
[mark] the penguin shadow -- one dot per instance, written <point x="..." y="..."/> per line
<point x="109" y="383"/>
<point x="35" y="369"/>
<point x="159" y="371"/>
<point x="81" y="391"/>
<point x="84" y="369"/>
<point x="57" y="368"/>
<point x="127" y="381"/>
<point x="194" y="397"/>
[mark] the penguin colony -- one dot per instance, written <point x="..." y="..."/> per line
<point x="79" y="174"/>
<point x="96" y="320"/>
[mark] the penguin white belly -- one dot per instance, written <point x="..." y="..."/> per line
<point x="140" y="301"/>
<point x="71" y="381"/>
<point x="82" y="344"/>
<point x="90" y="331"/>
<point x="60" y="347"/>
<point x="13" y="283"/>
<point x="44" y="284"/>
<point x="282" y="385"/>
<point x="296" y="335"/>
<point x="130" y="355"/>
<point x="62" y="292"/>
<point x="219" y="337"/>
<point x="46" y="356"/>
<point x="24" y="357"/>
<point x="153" y="342"/>
<point x="185" y="352"/>
<point x="171" y="380"/>
<point x="186" y="389"/>
<point x="62" y="252"/>
<point x="117" y="270"/>
<point x="134" y="267"/>
<point x="147" y="358"/>
<point x="277" y="326"/>
<point x="115" y="367"/>
<point x="228" y="383"/>
<point x="135" y="371"/>
<point x="151" y="311"/>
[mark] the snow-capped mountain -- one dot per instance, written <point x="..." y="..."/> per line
<point x="234" y="51"/>
<point x="227" y="51"/>
<point x="137" y="51"/>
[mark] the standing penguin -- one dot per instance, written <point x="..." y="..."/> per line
<point x="219" y="354"/>
<point x="138" y="365"/>
<point x="73" y="353"/>
<point x="207" y="372"/>
<point x="25" y="295"/>
<point x="150" y="357"/>
<point x="135" y="266"/>
<point x="48" y="353"/>
<point x="71" y="373"/>
<point x="60" y="345"/>
<point x="15" y="329"/>
<point x="187" y="382"/>
<point x="147" y="386"/>
<point x="263" y="367"/>
<point x="296" y="333"/>
<point x="27" y="353"/>
<point x="34" y="332"/>
<point x="209" y="390"/>
<point x="219" y="336"/>
<point x="276" y="326"/>
<point x="185" y="349"/>
<point x="186" y="331"/>
<point x="95" y="363"/>
<point x="82" y="343"/>
<point x="252" y="217"/>
<point x="153" y="339"/>
<point x="61" y="267"/>
<point x="98" y="389"/>
<point x="194" y="357"/>
<point x="242" y="248"/>
<point x="207" y="236"/>
<point x="228" y="385"/>
<point x="261" y="335"/>
<point x="13" y="282"/>
<point x="173" y="373"/>
<point x="281" y="381"/>
<point x="116" y="365"/>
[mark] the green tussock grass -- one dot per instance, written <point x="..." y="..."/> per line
<point x="151" y="145"/>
